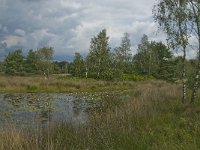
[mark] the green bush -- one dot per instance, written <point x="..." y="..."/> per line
<point x="136" y="77"/>
<point x="32" y="87"/>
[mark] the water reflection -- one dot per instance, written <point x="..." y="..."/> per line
<point x="41" y="109"/>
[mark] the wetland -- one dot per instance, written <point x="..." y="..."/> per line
<point x="94" y="114"/>
<point x="40" y="109"/>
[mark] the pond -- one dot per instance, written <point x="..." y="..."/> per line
<point x="35" y="110"/>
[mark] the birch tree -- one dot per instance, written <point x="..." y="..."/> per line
<point x="78" y="63"/>
<point x="98" y="60"/>
<point x="45" y="59"/>
<point x="194" y="18"/>
<point x="123" y="54"/>
<point x="141" y="59"/>
<point x="172" y="17"/>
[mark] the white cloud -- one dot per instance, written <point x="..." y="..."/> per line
<point x="69" y="25"/>
<point x="70" y="4"/>
<point x="5" y="29"/>
<point x="20" y="32"/>
<point x="12" y="40"/>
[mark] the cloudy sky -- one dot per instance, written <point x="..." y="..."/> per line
<point x="68" y="25"/>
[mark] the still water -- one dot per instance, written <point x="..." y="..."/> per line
<point x="41" y="109"/>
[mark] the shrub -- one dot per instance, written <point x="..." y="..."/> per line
<point x="136" y="77"/>
<point x="32" y="87"/>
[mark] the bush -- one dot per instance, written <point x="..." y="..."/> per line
<point x="32" y="87"/>
<point x="136" y="77"/>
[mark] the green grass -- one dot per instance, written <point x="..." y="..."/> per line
<point x="10" y="84"/>
<point x="147" y="116"/>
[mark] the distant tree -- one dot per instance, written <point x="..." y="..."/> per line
<point x="154" y="58"/>
<point x="31" y="62"/>
<point x="1" y="66"/>
<point x="117" y="61"/>
<point x="123" y="54"/>
<point x="79" y="67"/>
<point x="99" y="57"/>
<point x="45" y="60"/>
<point x="161" y="63"/>
<point x="14" y="63"/>
<point x="61" y="67"/>
<point x="142" y="58"/>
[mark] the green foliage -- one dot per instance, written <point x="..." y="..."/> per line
<point x="122" y="54"/>
<point x="45" y="58"/>
<point x="61" y="67"/>
<point x="32" y="88"/>
<point x="162" y="65"/>
<point x="180" y="20"/>
<point x="31" y="63"/>
<point x="190" y="67"/>
<point x="136" y="77"/>
<point x="78" y="66"/>
<point x="153" y="59"/>
<point x="99" y="57"/>
<point x="172" y="17"/>
<point x="35" y="62"/>
<point x="14" y="63"/>
<point x="1" y="66"/>
<point x="141" y="60"/>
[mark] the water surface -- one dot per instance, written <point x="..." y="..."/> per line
<point x="41" y="109"/>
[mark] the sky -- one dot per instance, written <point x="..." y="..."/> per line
<point x="69" y="25"/>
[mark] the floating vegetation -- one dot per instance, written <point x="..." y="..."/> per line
<point x="33" y="109"/>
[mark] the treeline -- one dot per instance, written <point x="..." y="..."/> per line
<point x="153" y="59"/>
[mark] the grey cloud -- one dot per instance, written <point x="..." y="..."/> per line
<point x="69" y="25"/>
<point x="20" y="32"/>
<point x="32" y="0"/>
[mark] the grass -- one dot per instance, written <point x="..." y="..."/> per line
<point x="147" y="116"/>
<point x="10" y="84"/>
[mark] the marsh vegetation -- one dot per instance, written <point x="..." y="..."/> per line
<point x="147" y="115"/>
<point x="109" y="99"/>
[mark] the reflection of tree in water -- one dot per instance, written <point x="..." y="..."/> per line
<point x="77" y="107"/>
<point x="42" y="105"/>
<point x="45" y="116"/>
<point x="76" y="112"/>
<point x="40" y="109"/>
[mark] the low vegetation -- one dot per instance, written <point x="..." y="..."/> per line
<point x="147" y="116"/>
<point x="60" y="83"/>
<point x="57" y="83"/>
